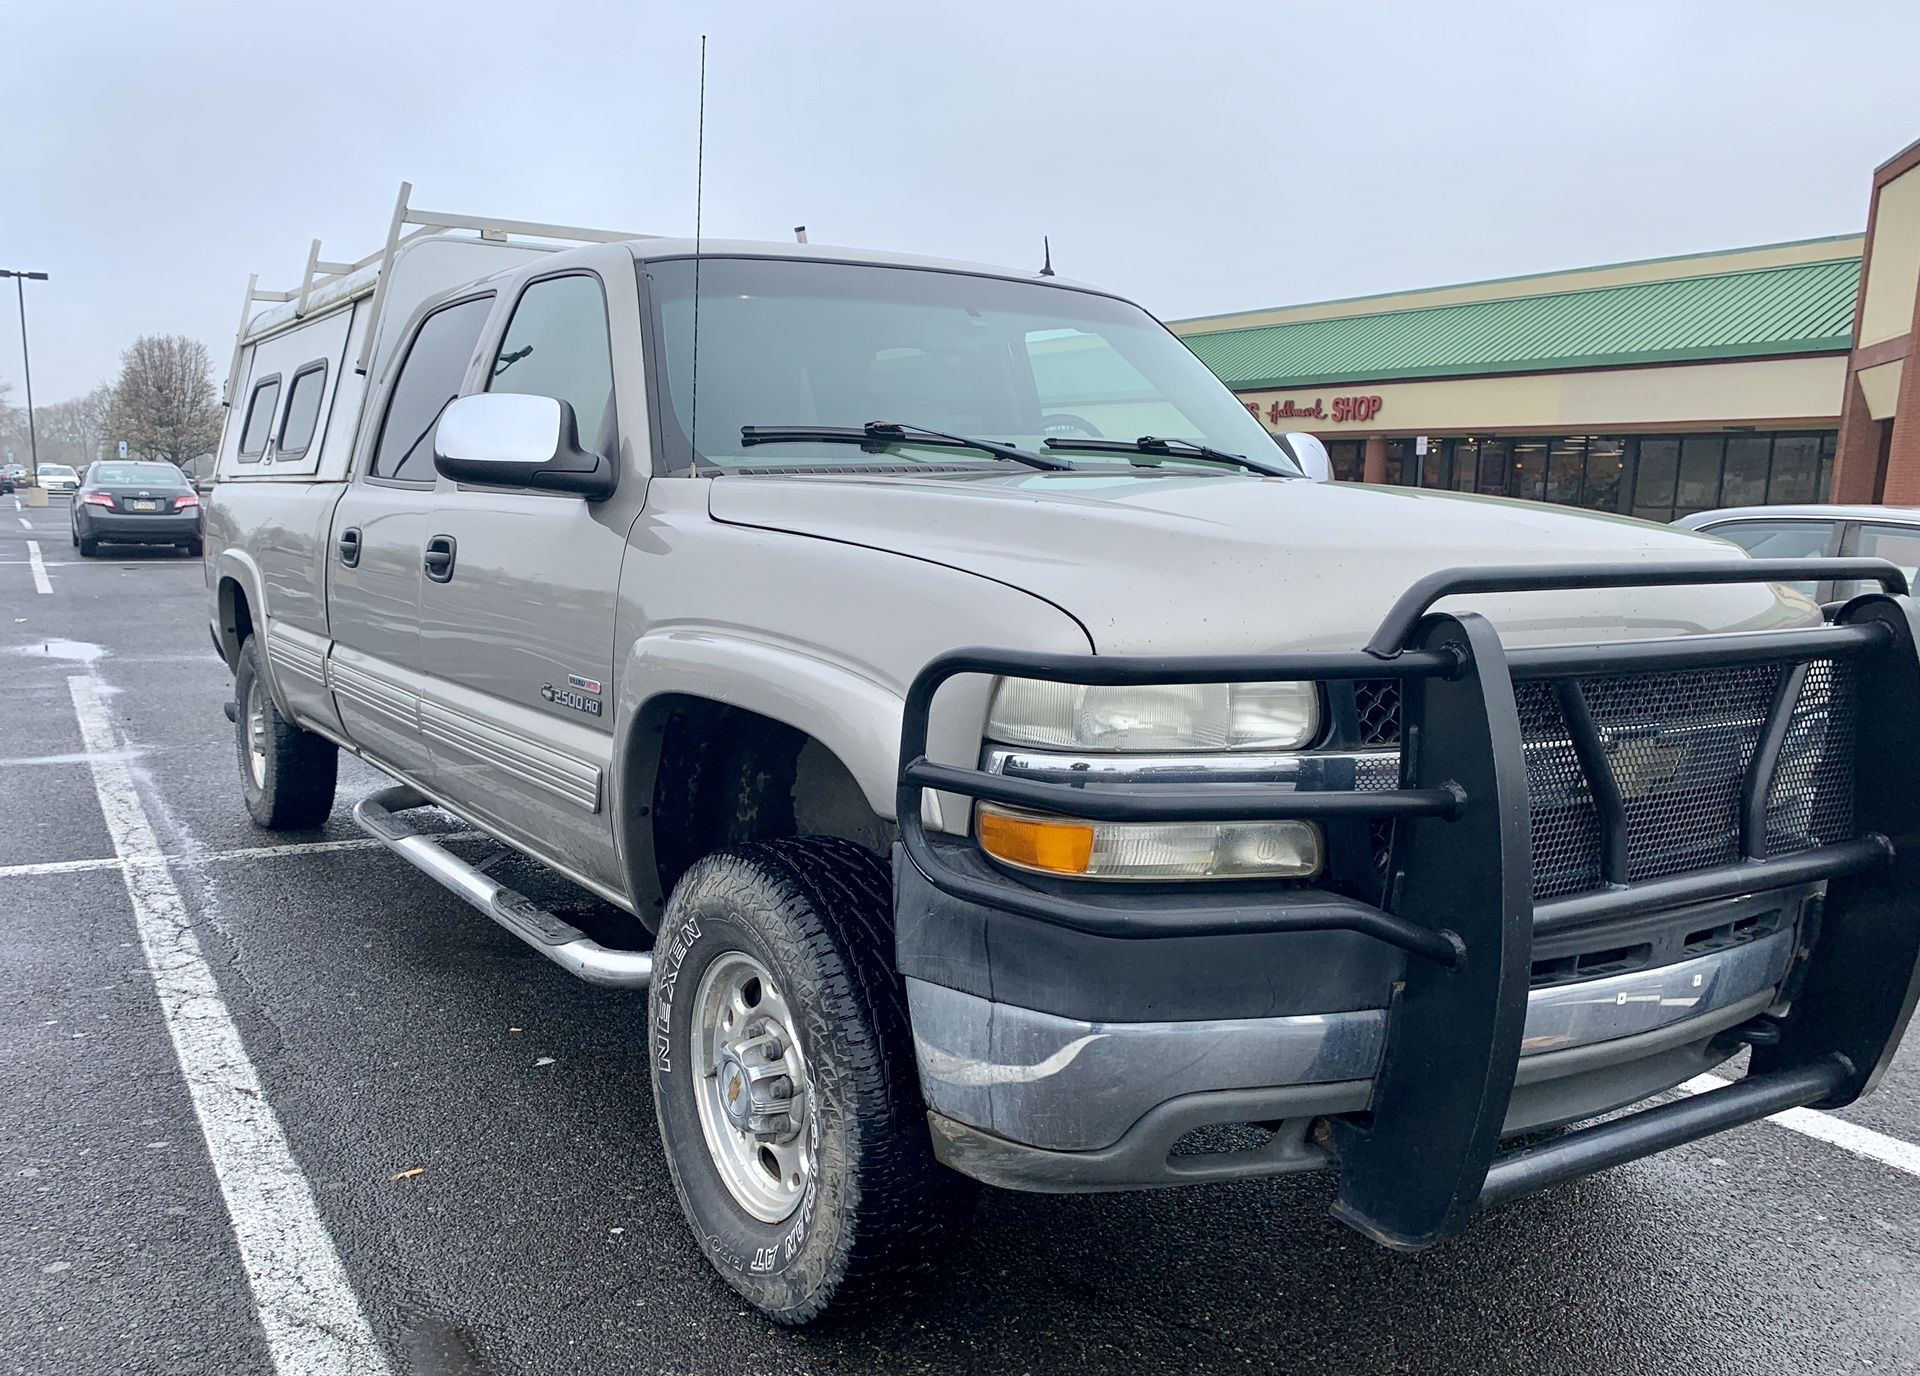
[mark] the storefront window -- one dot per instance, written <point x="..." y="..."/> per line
<point x="1700" y="457"/>
<point x="1566" y="467"/>
<point x="1403" y="465"/>
<point x="1653" y="490"/>
<point x="1527" y="474"/>
<point x="1606" y="463"/>
<point x="1796" y="465"/>
<point x="1466" y="464"/>
<point x="1496" y="457"/>
<point x="1666" y="476"/>
<point x="1744" y="483"/>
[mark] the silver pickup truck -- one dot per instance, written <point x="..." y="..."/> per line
<point x="1019" y="769"/>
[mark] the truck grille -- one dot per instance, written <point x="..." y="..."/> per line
<point x="1678" y="745"/>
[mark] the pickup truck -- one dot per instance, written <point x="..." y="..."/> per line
<point x="1021" y="767"/>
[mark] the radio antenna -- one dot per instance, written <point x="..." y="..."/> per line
<point x="699" y="188"/>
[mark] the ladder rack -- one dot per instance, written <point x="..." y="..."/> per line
<point x="408" y="224"/>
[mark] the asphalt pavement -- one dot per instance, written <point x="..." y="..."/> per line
<point x="475" y="1132"/>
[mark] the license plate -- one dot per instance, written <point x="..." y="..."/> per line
<point x="144" y="506"/>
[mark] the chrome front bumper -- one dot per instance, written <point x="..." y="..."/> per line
<point x="1061" y="1084"/>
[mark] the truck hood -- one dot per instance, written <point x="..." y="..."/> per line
<point x="1211" y="563"/>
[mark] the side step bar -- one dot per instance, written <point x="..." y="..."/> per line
<point x="560" y="942"/>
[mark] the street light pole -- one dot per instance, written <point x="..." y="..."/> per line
<point x="20" y="279"/>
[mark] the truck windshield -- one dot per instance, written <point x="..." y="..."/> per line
<point x="790" y="343"/>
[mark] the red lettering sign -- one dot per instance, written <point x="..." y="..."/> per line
<point x="1354" y="409"/>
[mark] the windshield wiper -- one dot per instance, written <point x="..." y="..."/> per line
<point x="881" y="434"/>
<point x="1172" y="449"/>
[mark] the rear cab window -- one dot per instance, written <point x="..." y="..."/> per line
<point x="430" y="376"/>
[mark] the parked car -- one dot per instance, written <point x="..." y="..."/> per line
<point x="1793" y="532"/>
<point x="126" y="502"/>
<point x="57" y="477"/>
<point x="12" y="475"/>
<point x="1019" y="771"/>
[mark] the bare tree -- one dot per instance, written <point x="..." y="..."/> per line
<point x="74" y="431"/>
<point x="164" y="404"/>
<point x="13" y="427"/>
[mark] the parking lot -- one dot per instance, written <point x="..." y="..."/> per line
<point x="474" y="1131"/>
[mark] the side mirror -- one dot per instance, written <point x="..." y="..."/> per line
<point x="1309" y="453"/>
<point x="505" y="439"/>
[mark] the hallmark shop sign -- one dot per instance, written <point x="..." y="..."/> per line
<point x="1334" y="410"/>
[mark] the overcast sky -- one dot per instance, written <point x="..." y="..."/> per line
<point x="1199" y="156"/>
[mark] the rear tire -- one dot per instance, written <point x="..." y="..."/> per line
<point x="193" y="548"/>
<point x="790" y="944"/>
<point x="287" y="775"/>
<point x="89" y="547"/>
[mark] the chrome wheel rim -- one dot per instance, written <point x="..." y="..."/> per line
<point x="751" y="1087"/>
<point x="257" y="734"/>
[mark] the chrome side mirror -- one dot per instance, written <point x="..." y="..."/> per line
<point x="506" y="439"/>
<point x="1309" y="453"/>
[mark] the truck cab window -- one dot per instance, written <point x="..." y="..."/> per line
<point x="430" y="377"/>
<point x="556" y="346"/>
<point x="260" y="409"/>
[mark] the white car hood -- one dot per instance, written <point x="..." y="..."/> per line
<point x="1193" y="564"/>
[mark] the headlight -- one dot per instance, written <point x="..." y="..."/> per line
<point x="1148" y="850"/>
<point x="1154" y="717"/>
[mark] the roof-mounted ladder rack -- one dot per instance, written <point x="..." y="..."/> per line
<point x="406" y="225"/>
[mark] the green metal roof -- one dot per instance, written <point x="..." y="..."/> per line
<point x="1802" y="308"/>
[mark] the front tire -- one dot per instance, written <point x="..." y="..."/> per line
<point x="287" y="775"/>
<point x="784" y="1085"/>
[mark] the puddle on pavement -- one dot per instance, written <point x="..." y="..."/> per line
<point x="73" y="651"/>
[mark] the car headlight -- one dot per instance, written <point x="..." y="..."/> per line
<point x="1080" y="849"/>
<point x="1154" y="717"/>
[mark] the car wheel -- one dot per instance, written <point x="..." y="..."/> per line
<point x="193" y="548"/>
<point x="287" y="775"/>
<point x="88" y="546"/>
<point x="784" y="1085"/>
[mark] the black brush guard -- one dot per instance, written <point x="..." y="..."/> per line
<point x="1426" y="1156"/>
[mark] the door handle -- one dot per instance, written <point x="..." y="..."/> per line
<point x="438" y="559"/>
<point x="350" y="546"/>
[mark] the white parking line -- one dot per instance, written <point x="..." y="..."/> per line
<point x="40" y="582"/>
<point x="211" y="857"/>
<point x="1824" y="1127"/>
<point x="312" y="1320"/>
<point x="25" y="522"/>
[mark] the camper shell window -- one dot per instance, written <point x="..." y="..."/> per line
<point x="260" y="409"/>
<point x="304" y="395"/>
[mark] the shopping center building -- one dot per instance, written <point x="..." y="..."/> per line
<point x="1651" y="388"/>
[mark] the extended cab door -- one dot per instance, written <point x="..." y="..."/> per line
<point x="517" y="623"/>
<point x="379" y="542"/>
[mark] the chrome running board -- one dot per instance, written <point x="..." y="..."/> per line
<point x="559" y="941"/>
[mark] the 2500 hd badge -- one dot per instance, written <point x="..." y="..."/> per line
<point x="574" y="695"/>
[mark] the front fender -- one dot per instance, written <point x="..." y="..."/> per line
<point x="852" y="714"/>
